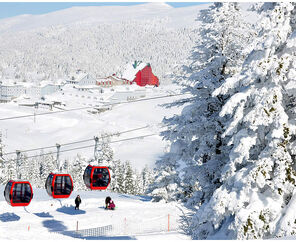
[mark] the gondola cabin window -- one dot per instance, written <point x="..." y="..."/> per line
<point x="59" y="185"/>
<point x="97" y="177"/>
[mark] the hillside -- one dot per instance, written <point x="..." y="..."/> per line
<point x="98" y="40"/>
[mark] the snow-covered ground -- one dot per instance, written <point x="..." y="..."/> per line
<point x="47" y="130"/>
<point x="135" y="217"/>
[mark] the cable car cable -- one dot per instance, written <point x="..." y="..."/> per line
<point x="88" y="146"/>
<point x="80" y="141"/>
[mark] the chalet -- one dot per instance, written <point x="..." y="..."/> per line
<point x="140" y="73"/>
<point x="81" y="78"/>
<point x="87" y="80"/>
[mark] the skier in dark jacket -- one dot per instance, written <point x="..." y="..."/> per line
<point x="77" y="202"/>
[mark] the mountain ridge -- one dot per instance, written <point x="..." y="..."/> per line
<point x="99" y="14"/>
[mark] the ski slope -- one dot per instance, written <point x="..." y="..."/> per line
<point x="47" y="130"/>
<point x="135" y="217"/>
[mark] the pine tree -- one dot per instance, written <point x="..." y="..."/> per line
<point x="120" y="178"/>
<point x="117" y="179"/>
<point x="76" y="170"/>
<point x="138" y="183"/>
<point x="190" y="171"/>
<point x="147" y="178"/>
<point x="257" y="180"/>
<point x="129" y="179"/>
<point x="47" y="165"/>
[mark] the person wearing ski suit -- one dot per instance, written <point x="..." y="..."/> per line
<point x="109" y="203"/>
<point x="77" y="202"/>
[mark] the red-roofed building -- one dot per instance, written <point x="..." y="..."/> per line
<point x="146" y="77"/>
<point x="140" y="73"/>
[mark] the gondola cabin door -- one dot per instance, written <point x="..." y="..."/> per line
<point x="18" y="193"/>
<point x="97" y="177"/>
<point x="59" y="185"/>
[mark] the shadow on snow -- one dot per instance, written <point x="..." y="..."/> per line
<point x="73" y="234"/>
<point x="9" y="217"/>
<point x="43" y="215"/>
<point x="70" y="210"/>
<point x="54" y="225"/>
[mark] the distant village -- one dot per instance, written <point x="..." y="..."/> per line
<point x="138" y="73"/>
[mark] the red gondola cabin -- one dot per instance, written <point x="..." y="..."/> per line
<point x="18" y="193"/>
<point x="97" y="177"/>
<point x="59" y="185"/>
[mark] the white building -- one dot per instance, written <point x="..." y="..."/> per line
<point x="49" y="88"/>
<point x="87" y="80"/>
<point x="33" y="91"/>
<point x="81" y="78"/>
<point x="10" y="90"/>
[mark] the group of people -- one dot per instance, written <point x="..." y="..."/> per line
<point x="108" y="202"/>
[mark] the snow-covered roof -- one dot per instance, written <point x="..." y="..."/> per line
<point x="102" y="79"/>
<point x="12" y="82"/>
<point x="132" y="69"/>
<point x="78" y="76"/>
<point x="45" y="83"/>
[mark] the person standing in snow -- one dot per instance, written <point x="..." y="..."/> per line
<point x="77" y="202"/>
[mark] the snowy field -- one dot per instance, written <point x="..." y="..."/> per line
<point x="47" y="130"/>
<point x="135" y="217"/>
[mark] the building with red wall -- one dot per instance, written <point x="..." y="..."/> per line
<point x="140" y="73"/>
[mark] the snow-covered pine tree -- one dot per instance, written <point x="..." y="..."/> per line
<point x="256" y="198"/>
<point x="147" y="177"/>
<point x="76" y="170"/>
<point x="138" y="183"/>
<point x="117" y="179"/>
<point x="120" y="177"/>
<point x="129" y="180"/>
<point x="65" y="166"/>
<point x="105" y="154"/>
<point x="47" y="164"/>
<point x="30" y="171"/>
<point x="195" y="154"/>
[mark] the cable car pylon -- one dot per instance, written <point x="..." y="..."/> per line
<point x="96" y="177"/>
<point x="58" y="157"/>
<point x="59" y="185"/>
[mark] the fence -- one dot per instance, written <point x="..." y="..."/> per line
<point x="128" y="227"/>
